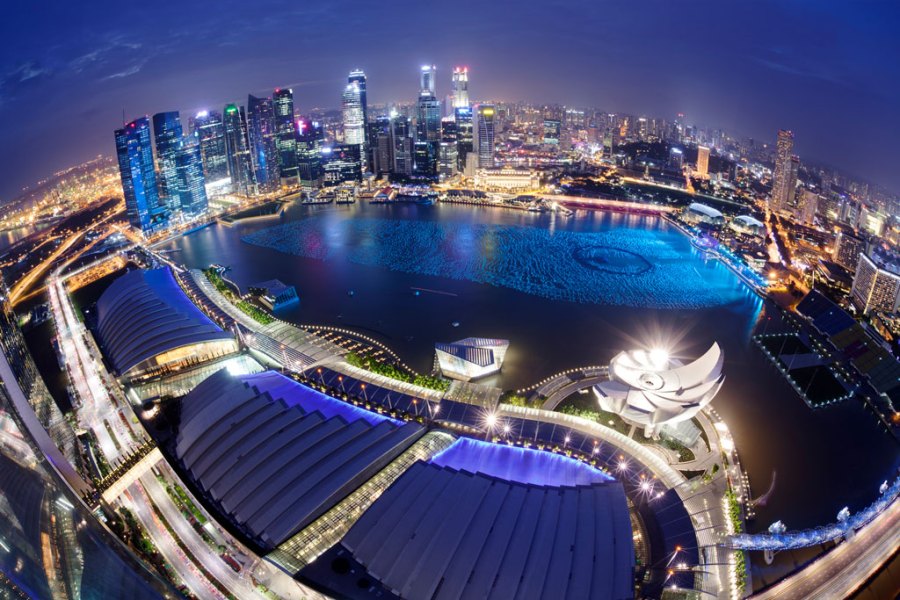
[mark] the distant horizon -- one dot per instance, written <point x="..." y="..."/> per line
<point x="827" y="72"/>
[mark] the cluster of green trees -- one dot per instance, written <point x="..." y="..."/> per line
<point x="251" y="310"/>
<point x="367" y="362"/>
<point x="737" y="524"/>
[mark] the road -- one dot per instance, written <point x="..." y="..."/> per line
<point x="208" y="557"/>
<point x="841" y="571"/>
<point x="137" y="501"/>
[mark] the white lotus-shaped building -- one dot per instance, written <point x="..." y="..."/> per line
<point x="650" y="389"/>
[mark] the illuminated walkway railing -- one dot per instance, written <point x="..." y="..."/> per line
<point x="653" y="461"/>
<point x="819" y="535"/>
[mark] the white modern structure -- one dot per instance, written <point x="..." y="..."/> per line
<point x="471" y="358"/>
<point x="651" y="389"/>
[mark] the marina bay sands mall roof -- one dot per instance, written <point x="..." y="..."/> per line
<point x="476" y="519"/>
<point x="144" y="320"/>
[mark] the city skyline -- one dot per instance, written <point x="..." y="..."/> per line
<point x="720" y="82"/>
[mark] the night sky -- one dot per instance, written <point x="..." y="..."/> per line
<point x="828" y="70"/>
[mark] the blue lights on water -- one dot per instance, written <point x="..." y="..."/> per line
<point x="517" y="464"/>
<point x="622" y="266"/>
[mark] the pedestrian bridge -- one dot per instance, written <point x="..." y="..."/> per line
<point x="845" y="526"/>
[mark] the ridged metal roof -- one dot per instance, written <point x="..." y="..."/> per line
<point x="145" y="313"/>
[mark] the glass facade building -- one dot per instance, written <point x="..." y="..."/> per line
<point x="240" y="167"/>
<point x="207" y="127"/>
<point x="286" y="135"/>
<point x="167" y="134"/>
<point x="263" y="143"/>
<point x="484" y="135"/>
<point x="134" y="153"/>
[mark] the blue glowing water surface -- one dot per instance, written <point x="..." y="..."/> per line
<point x="517" y="464"/>
<point x="625" y="266"/>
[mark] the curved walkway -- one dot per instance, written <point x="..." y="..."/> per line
<point x="568" y="389"/>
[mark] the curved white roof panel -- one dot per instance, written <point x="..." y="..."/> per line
<point x="145" y="313"/>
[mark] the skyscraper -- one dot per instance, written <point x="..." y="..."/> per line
<point x="465" y="137"/>
<point x="309" y="154"/>
<point x="876" y="285"/>
<point x="286" y="135"/>
<point x="448" y="159"/>
<point x="167" y="134"/>
<point x="354" y="111"/>
<point x="190" y="184"/>
<point x="263" y="143"/>
<point x="207" y="127"/>
<point x="484" y="134"/>
<point x="240" y="167"/>
<point x="847" y="248"/>
<point x="358" y="77"/>
<point x="401" y="143"/>
<point x="782" y="186"/>
<point x="460" y="86"/>
<point x="381" y="151"/>
<point x="808" y="206"/>
<point x="341" y="163"/>
<point x="428" y="126"/>
<point x="429" y="73"/>
<point x="135" y="157"/>
<point x="702" y="161"/>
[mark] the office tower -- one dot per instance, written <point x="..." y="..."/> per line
<point x="782" y="185"/>
<point x="428" y="126"/>
<point x="847" y="248"/>
<point x="240" y="167"/>
<point x="484" y="134"/>
<point x="190" y="183"/>
<point x="551" y="131"/>
<point x="358" y="77"/>
<point x="381" y="152"/>
<point x="341" y="163"/>
<point x="809" y="204"/>
<point x="448" y="154"/>
<point x="876" y="285"/>
<point x="286" y="135"/>
<point x="207" y="127"/>
<point x="460" y="86"/>
<point x="354" y="115"/>
<point x="428" y="79"/>
<point x="263" y="143"/>
<point x="401" y="144"/>
<point x="309" y="154"/>
<point x="167" y="134"/>
<point x="465" y="137"/>
<point x="702" y="161"/>
<point x="135" y="157"/>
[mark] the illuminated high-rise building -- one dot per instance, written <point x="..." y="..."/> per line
<point x="782" y="182"/>
<point x="341" y="163"/>
<point x="484" y="134"/>
<point x="134" y="152"/>
<point x="460" y="87"/>
<point x="207" y="127"/>
<point x="876" y="285"/>
<point x="190" y="183"/>
<point x="428" y="74"/>
<point x="381" y="153"/>
<point x="448" y="156"/>
<point x="286" y="135"/>
<point x="309" y="153"/>
<point x="263" y="143"/>
<point x="465" y="137"/>
<point x="428" y="126"/>
<point x="354" y="110"/>
<point x="401" y="145"/>
<point x="702" y="161"/>
<point x="167" y="134"/>
<point x="240" y="165"/>
<point x="847" y="248"/>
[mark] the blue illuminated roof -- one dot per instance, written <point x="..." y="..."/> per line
<point x="522" y="465"/>
<point x="294" y="394"/>
<point x="145" y="313"/>
<point x="274" y="455"/>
